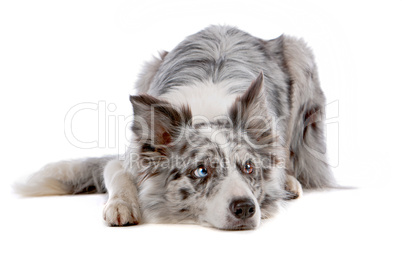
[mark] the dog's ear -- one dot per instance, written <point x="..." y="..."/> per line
<point x="250" y="112"/>
<point x="251" y="104"/>
<point x="157" y="122"/>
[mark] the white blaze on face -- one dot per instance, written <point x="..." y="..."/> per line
<point x="233" y="187"/>
<point x="209" y="102"/>
<point x="219" y="136"/>
<point x="218" y="211"/>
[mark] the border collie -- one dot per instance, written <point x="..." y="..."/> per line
<point x="227" y="127"/>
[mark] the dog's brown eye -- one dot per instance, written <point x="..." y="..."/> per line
<point x="248" y="168"/>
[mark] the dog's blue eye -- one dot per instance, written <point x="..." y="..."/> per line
<point x="201" y="172"/>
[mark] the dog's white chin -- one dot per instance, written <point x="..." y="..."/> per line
<point x="235" y="224"/>
<point x="241" y="225"/>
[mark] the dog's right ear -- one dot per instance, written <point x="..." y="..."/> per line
<point x="157" y="122"/>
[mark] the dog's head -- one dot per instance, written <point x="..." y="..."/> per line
<point x="228" y="173"/>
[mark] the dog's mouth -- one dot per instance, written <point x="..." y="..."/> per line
<point x="239" y="226"/>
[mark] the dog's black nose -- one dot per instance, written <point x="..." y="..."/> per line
<point x="242" y="208"/>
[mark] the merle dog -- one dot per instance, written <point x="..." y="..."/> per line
<point x="226" y="127"/>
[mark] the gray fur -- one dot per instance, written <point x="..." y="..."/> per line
<point x="148" y="72"/>
<point x="291" y="86"/>
<point x="276" y="123"/>
<point x="221" y="54"/>
<point x="165" y="201"/>
<point x="66" y="177"/>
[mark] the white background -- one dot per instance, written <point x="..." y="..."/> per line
<point x="57" y="54"/>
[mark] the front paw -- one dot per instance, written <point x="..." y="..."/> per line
<point x="293" y="187"/>
<point x="118" y="212"/>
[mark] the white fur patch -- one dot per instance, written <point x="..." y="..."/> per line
<point x="49" y="180"/>
<point x="218" y="213"/>
<point x="122" y="208"/>
<point x="206" y="99"/>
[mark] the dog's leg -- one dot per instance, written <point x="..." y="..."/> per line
<point x="293" y="187"/>
<point x="122" y="208"/>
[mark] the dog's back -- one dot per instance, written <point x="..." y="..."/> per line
<point x="230" y="58"/>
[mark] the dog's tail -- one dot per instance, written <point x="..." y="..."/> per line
<point x="66" y="177"/>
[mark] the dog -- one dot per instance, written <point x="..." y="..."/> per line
<point x="227" y="128"/>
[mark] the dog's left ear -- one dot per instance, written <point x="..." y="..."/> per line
<point x="250" y="112"/>
<point x="250" y="105"/>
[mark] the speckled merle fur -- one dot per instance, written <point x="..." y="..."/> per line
<point x="180" y="196"/>
<point x="223" y="54"/>
<point x="291" y="98"/>
<point x="248" y="112"/>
